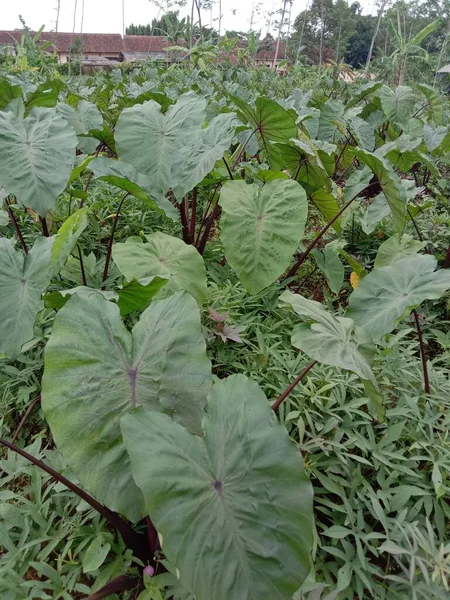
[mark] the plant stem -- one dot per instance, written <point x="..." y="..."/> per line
<point x="209" y="224"/>
<point x="111" y="240"/>
<point x="193" y="216"/>
<point x="446" y="264"/>
<point x="183" y="208"/>
<point x="423" y="355"/>
<point x="205" y="214"/>
<point x="133" y="541"/>
<point x="119" y="584"/>
<point x="228" y="168"/>
<point x="44" y="226"/>
<point x="419" y="235"/>
<point x="312" y="245"/>
<point x="24" y="418"/>
<point x="83" y="273"/>
<point x="16" y="227"/>
<point x="293" y="385"/>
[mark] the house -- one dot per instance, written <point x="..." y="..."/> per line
<point x="145" y="47"/>
<point x="266" y="54"/>
<point x="91" y="46"/>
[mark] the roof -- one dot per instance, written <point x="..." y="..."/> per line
<point x="92" y="42"/>
<point x="268" y="51"/>
<point x="145" y="43"/>
<point x="445" y="69"/>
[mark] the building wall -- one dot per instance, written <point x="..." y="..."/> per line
<point x="64" y="56"/>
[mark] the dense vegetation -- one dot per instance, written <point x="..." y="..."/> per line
<point x="223" y="295"/>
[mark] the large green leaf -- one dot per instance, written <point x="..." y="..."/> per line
<point x="390" y="293"/>
<point x="262" y="228"/>
<point x="83" y="118"/>
<point x="331" y="266"/>
<point x="8" y="93"/>
<point x="330" y="112"/>
<point x="398" y="104"/>
<point x="434" y="136"/>
<point x="67" y="237"/>
<point x="166" y="257"/>
<point x="363" y="133"/>
<point x="127" y="178"/>
<point x="395" y="248"/>
<point x="96" y="371"/>
<point x="36" y="157"/>
<point x="435" y="104"/>
<point x="335" y="341"/>
<point x="331" y="340"/>
<point x="151" y="141"/>
<point x="23" y="279"/>
<point x="328" y="205"/>
<point x="272" y="122"/>
<point x="363" y="92"/>
<point x="390" y="184"/>
<point x="302" y="158"/>
<point x="234" y="508"/>
<point x="198" y="157"/>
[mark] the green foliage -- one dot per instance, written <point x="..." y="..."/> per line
<point x="262" y="228"/>
<point x="227" y="480"/>
<point x="199" y="204"/>
<point x="156" y="351"/>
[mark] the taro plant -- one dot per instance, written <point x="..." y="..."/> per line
<point x="192" y="468"/>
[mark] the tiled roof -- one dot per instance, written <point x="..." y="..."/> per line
<point x="145" y="43"/>
<point x="268" y="52"/>
<point x="92" y="42"/>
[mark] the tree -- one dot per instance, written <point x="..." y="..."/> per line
<point x="407" y="50"/>
<point x="359" y="43"/>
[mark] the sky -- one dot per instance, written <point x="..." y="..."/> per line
<point x="105" y="16"/>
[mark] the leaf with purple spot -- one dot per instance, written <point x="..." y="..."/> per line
<point x="96" y="371"/>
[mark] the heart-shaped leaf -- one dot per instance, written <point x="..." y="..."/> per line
<point x="262" y="228"/>
<point x="151" y="141"/>
<point x="395" y="248"/>
<point x="36" y="157"/>
<point x="390" y="293"/>
<point x="23" y="280"/>
<point x="83" y="118"/>
<point x="390" y="184"/>
<point x="166" y="257"/>
<point x="208" y="496"/>
<point x="331" y="340"/>
<point x="96" y="371"/>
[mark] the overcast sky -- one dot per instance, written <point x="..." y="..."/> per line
<point x="105" y="16"/>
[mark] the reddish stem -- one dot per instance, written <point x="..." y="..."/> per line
<point x="133" y="541"/>
<point x="312" y="245"/>
<point x="293" y="385"/>
<point x="119" y="584"/>
<point x="83" y="272"/>
<point x="24" y="418"/>
<point x="16" y="227"/>
<point x="446" y="264"/>
<point x="111" y="240"/>
<point x="209" y="224"/>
